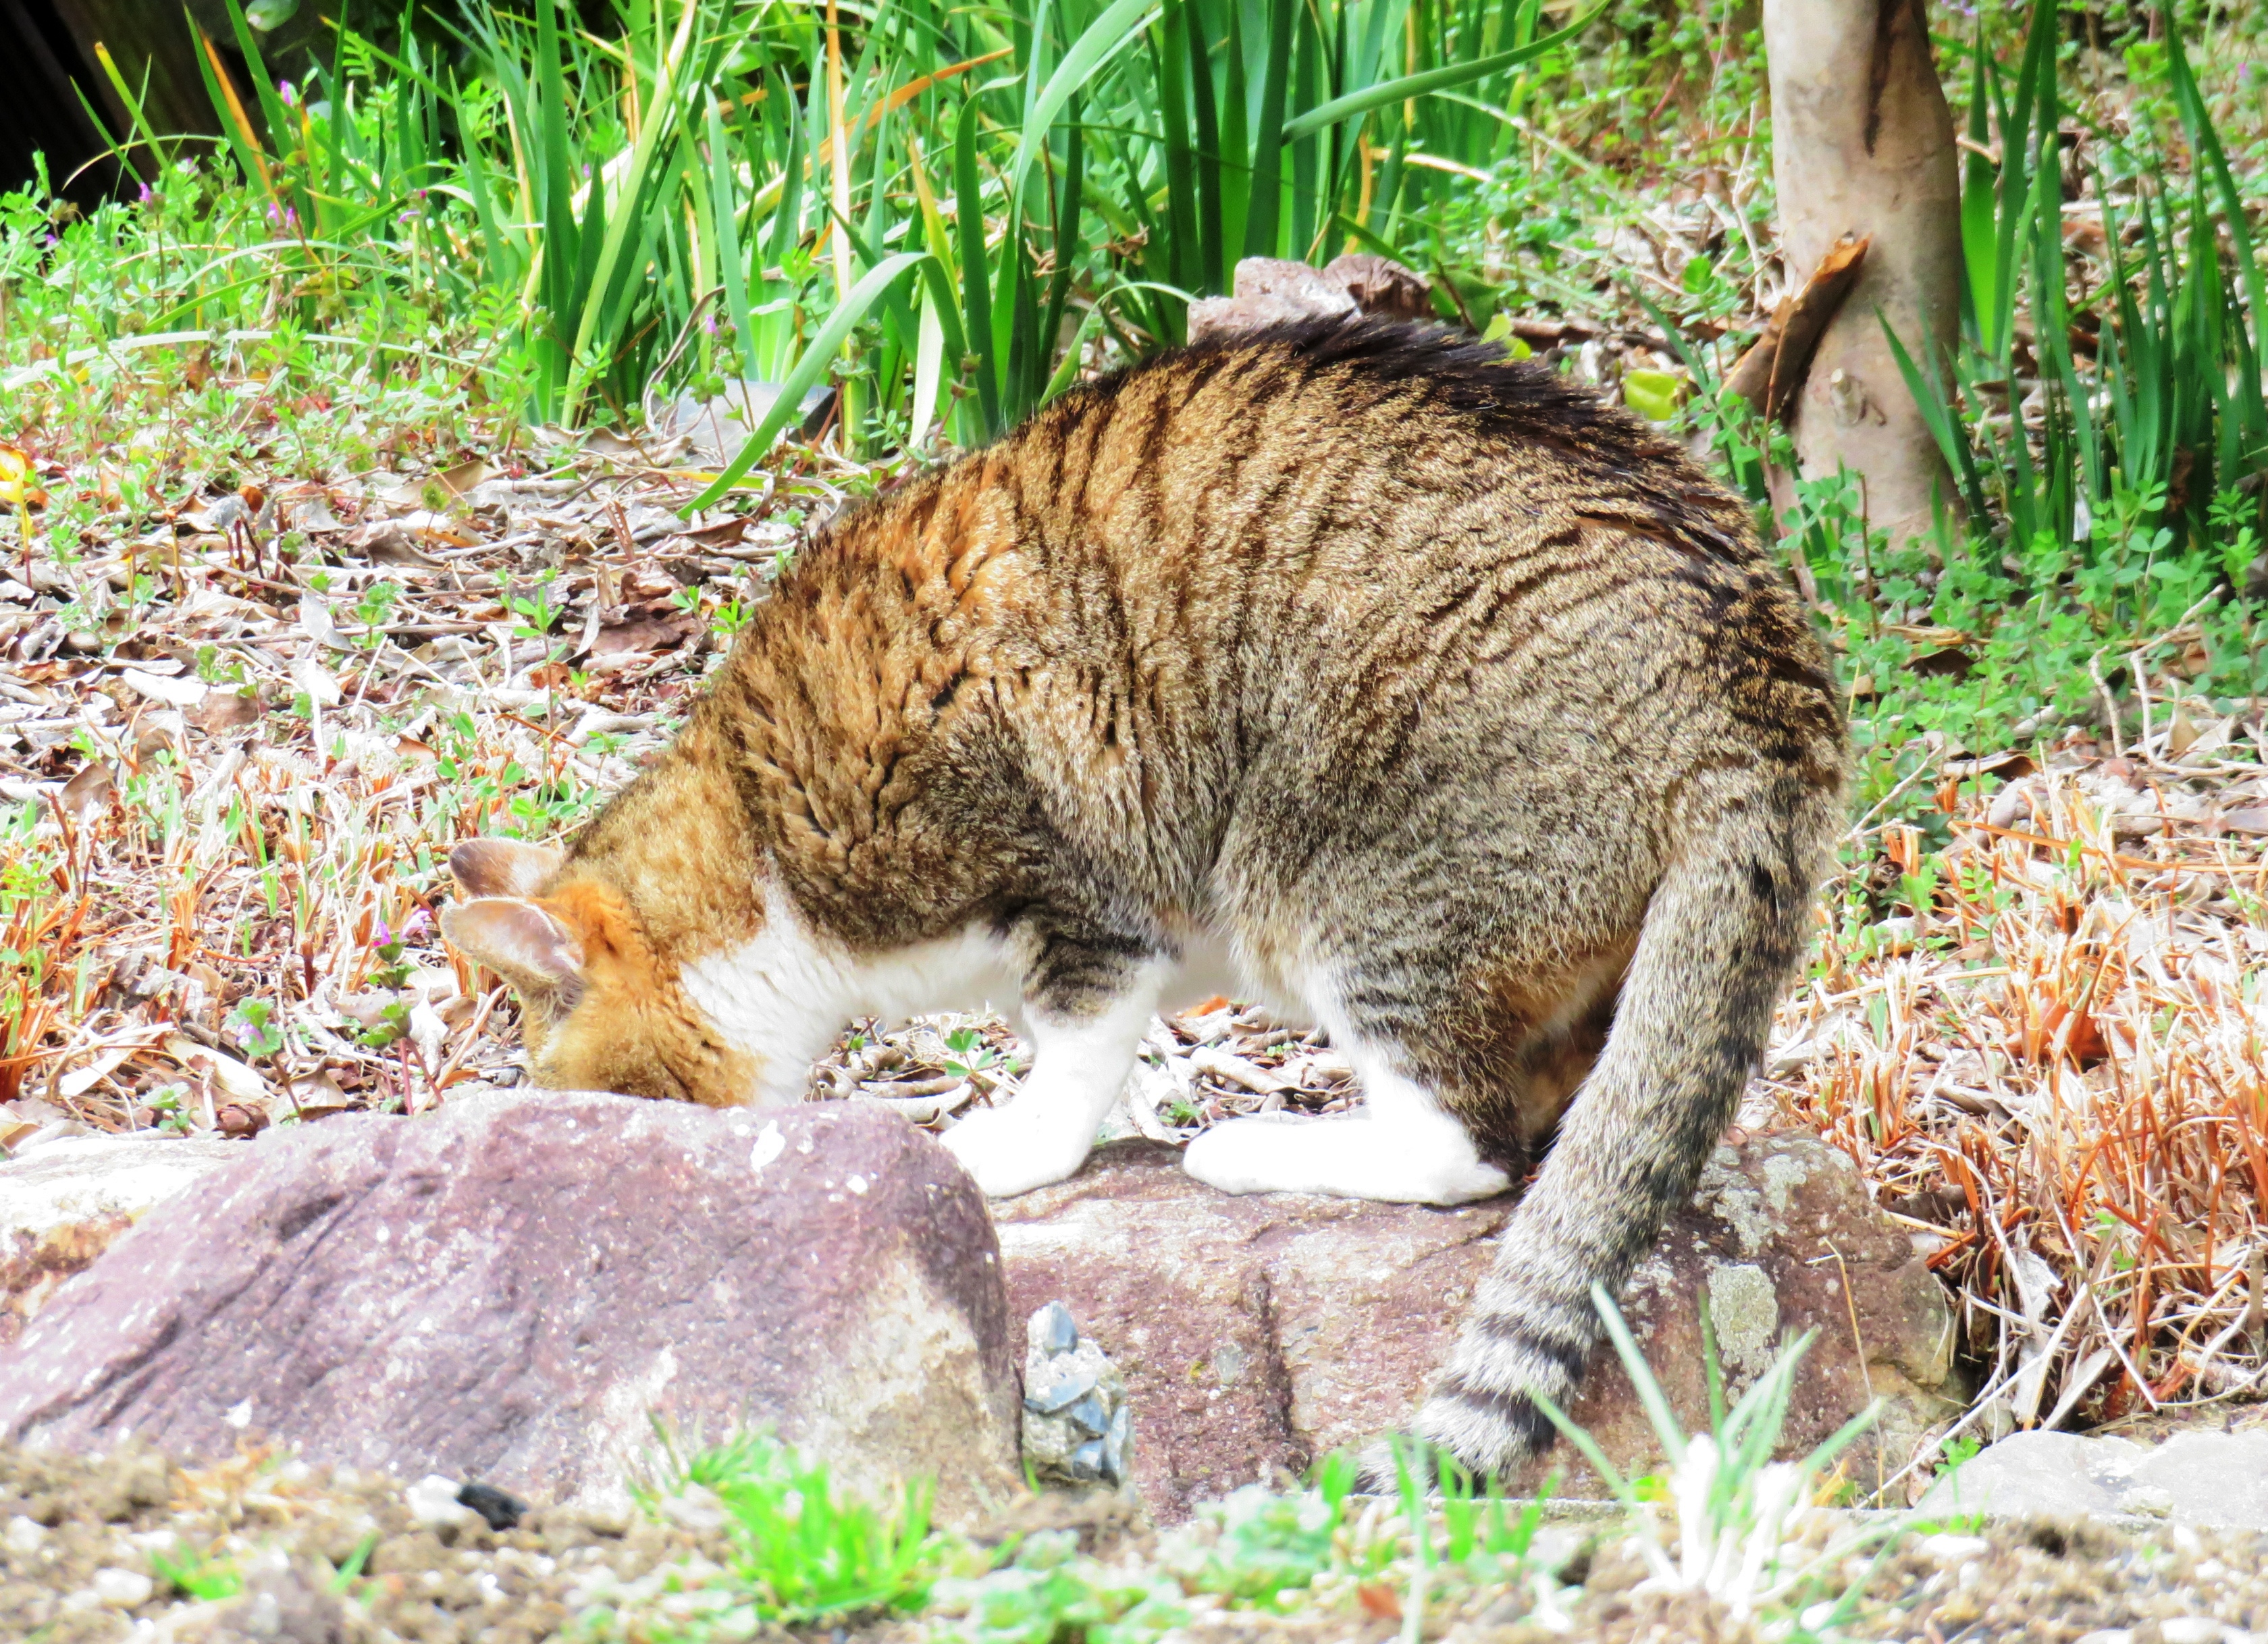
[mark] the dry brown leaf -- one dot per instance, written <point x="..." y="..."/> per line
<point x="236" y="1080"/>
<point x="225" y="711"/>
<point x="389" y="542"/>
<point x="90" y="790"/>
<point x="462" y="478"/>
<point x="174" y="693"/>
<point x="655" y="626"/>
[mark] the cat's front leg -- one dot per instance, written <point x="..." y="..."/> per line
<point x="1080" y="1059"/>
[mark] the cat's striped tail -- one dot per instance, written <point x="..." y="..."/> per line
<point x="1723" y="930"/>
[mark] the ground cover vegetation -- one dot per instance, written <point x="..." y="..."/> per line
<point x="749" y="1539"/>
<point x="351" y="504"/>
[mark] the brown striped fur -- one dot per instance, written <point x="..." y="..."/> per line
<point x="1458" y="704"/>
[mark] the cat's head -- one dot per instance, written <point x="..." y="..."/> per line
<point x="599" y="1011"/>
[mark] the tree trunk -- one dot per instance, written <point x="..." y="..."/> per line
<point x="1862" y="144"/>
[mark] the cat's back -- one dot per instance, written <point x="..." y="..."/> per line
<point x="1387" y="522"/>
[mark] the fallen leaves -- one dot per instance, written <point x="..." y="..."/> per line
<point x="236" y="744"/>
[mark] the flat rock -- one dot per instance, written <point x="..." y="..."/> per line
<point x="61" y="1205"/>
<point x="2196" y="1477"/>
<point x="1257" y="1332"/>
<point x="505" y="1289"/>
<point x="1271" y="291"/>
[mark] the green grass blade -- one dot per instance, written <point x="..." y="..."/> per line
<point x="233" y="124"/>
<point x="929" y="373"/>
<point x="1209" y="276"/>
<point x="1118" y="26"/>
<point x="1067" y="214"/>
<point x="1952" y="437"/>
<point x="282" y="132"/>
<point x="132" y="103"/>
<point x="723" y="208"/>
<point x="634" y="210"/>
<point x="1414" y="85"/>
<point x="1589" y="1448"/>
<point x="806" y="375"/>
<point x="1067" y="368"/>
<point x="1264" y="206"/>
<point x="976" y="270"/>
<point x="1650" y="1395"/>
<point x="2205" y="142"/>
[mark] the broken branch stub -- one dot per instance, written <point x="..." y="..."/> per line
<point x="1771" y="374"/>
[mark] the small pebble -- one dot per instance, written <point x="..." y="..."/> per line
<point x="122" y="1589"/>
<point x="1059" y="1331"/>
<point x="1089" y="1417"/>
<point x="433" y="1503"/>
<point x="1060" y="1397"/>
<point x="2190" y="1630"/>
<point x="695" y="1507"/>
<point x="25" y="1534"/>
<point x="502" y="1510"/>
<point x="1946" y="1549"/>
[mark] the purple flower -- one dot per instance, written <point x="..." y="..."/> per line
<point x="380" y="933"/>
<point x="148" y="195"/>
<point x="284" y="90"/>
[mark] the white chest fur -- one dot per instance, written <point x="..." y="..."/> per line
<point x="784" y="995"/>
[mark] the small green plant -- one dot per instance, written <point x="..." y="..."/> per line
<point x="373" y="610"/>
<point x="538" y="609"/>
<point x="1738" y="1512"/>
<point x="804" y="1550"/>
<point x="968" y="1054"/>
<point x="206" y="1580"/>
<point x="1047" y="1592"/>
<point x="166" y="1102"/>
<point x="254" y="1028"/>
<point x="731" y="616"/>
<point x="1261" y="1549"/>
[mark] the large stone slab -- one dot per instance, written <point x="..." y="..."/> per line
<point x="1257" y="1332"/>
<point x="2196" y="1477"/>
<point x="506" y="1288"/>
<point x="61" y="1204"/>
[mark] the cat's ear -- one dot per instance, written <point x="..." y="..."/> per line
<point x="521" y="942"/>
<point x="504" y="868"/>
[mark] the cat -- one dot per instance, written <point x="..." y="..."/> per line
<point x="1460" y="710"/>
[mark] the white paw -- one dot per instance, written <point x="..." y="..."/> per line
<point x="1350" y="1158"/>
<point x="1007" y="1153"/>
<point x="1246" y="1156"/>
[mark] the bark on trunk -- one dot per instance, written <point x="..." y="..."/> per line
<point x="1862" y="144"/>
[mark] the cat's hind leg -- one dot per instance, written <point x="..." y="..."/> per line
<point x="1403" y="1147"/>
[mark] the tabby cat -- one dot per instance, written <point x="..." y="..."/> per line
<point x="1448" y="707"/>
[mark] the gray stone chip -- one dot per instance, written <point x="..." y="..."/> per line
<point x="1077" y="1427"/>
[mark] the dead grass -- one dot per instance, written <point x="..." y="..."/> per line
<point x="2045" y="1045"/>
